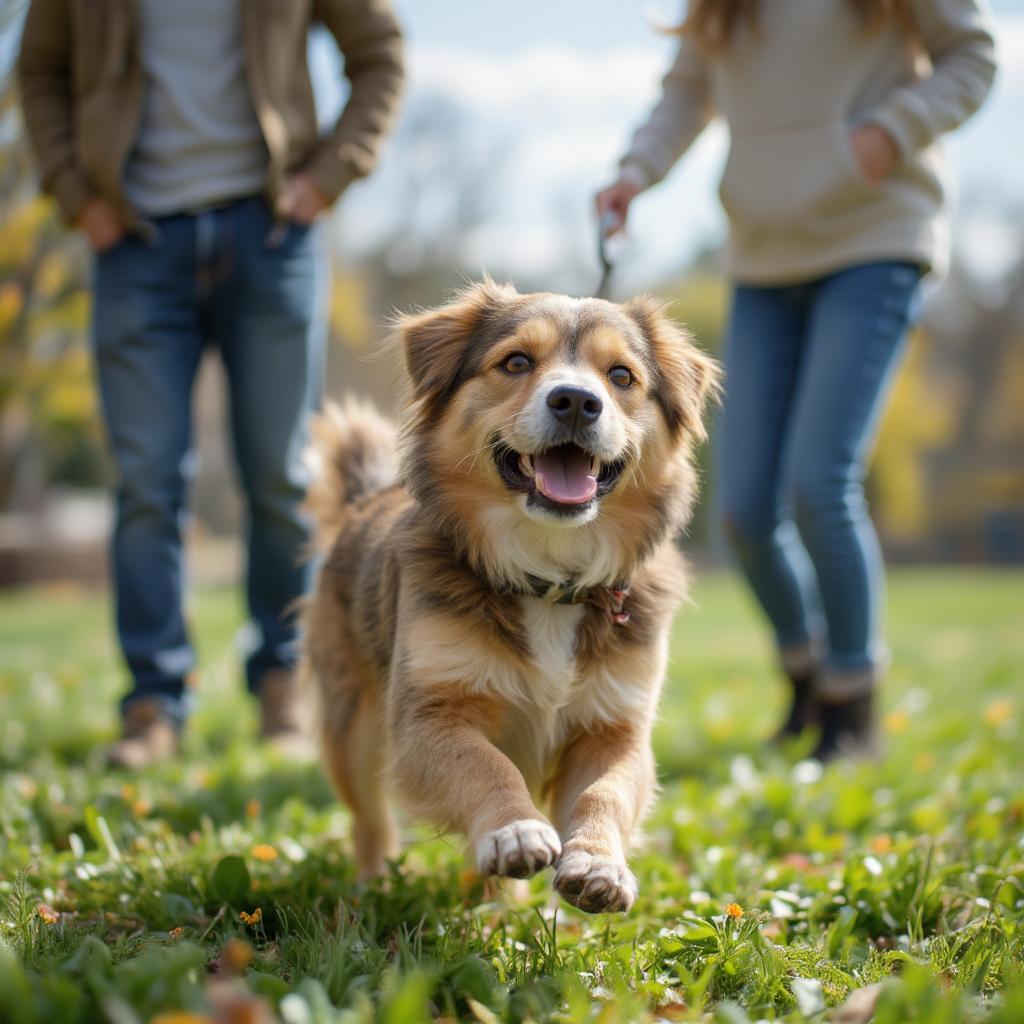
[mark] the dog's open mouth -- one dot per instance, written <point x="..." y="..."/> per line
<point x="565" y="478"/>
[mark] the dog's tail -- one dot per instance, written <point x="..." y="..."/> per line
<point x="352" y="455"/>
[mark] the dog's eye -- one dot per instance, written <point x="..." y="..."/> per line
<point x="620" y="376"/>
<point x="517" y="363"/>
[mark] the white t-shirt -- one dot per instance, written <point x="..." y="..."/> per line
<point x="199" y="141"/>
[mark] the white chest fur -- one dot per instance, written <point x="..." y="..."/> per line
<point x="551" y="631"/>
<point x="548" y="698"/>
<point x="559" y="699"/>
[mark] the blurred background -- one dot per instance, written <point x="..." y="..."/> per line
<point x="515" y="115"/>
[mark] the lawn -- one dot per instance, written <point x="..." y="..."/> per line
<point x="220" y="887"/>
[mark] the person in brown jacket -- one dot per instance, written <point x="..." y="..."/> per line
<point x="182" y="138"/>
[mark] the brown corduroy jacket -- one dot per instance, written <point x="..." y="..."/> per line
<point x="82" y="90"/>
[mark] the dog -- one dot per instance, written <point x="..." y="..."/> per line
<point x="488" y="633"/>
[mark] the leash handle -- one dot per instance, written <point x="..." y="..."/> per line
<point x="607" y="225"/>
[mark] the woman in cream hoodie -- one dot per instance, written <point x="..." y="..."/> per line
<point x="836" y="191"/>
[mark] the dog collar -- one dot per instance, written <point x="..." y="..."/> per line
<point x="612" y="600"/>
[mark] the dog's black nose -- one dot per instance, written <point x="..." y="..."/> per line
<point x="574" y="406"/>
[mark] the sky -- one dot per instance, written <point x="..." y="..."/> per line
<point x="491" y="26"/>
<point x="552" y="91"/>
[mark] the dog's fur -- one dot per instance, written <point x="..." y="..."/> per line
<point x="442" y="676"/>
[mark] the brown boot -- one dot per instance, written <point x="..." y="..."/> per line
<point x="148" y="735"/>
<point x="281" y="713"/>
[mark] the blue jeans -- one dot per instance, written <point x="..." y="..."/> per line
<point x="808" y="367"/>
<point x="206" y="278"/>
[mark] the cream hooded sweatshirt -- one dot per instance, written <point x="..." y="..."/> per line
<point x="791" y="92"/>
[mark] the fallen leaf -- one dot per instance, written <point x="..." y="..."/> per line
<point x="859" y="1007"/>
<point x="480" y="1012"/>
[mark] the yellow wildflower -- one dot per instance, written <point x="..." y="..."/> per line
<point x="47" y="913"/>
<point x="237" y="954"/>
<point x="181" y="1017"/>
<point x="734" y="910"/>
<point x="254" y="918"/>
<point x="999" y="711"/>
<point x="881" y="843"/>
<point x="264" y="851"/>
<point x="27" y="787"/>
<point x="896" y="722"/>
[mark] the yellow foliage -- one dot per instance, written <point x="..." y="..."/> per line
<point x="71" y="396"/>
<point x="52" y="275"/>
<point x="19" y="234"/>
<point x="349" y="314"/>
<point x="70" y="316"/>
<point x="917" y="421"/>
<point x="12" y="298"/>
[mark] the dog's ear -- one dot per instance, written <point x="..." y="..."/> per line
<point x="686" y="378"/>
<point x="435" y="344"/>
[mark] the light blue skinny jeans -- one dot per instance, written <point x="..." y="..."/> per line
<point x="808" y="368"/>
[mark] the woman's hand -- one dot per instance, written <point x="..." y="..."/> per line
<point x="875" y="151"/>
<point x="101" y="224"/>
<point x="615" y="199"/>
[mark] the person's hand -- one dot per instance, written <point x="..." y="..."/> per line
<point x="615" y="199"/>
<point x="875" y="151"/>
<point x="302" y="200"/>
<point x="101" y="224"/>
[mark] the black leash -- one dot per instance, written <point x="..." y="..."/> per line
<point x="605" y="228"/>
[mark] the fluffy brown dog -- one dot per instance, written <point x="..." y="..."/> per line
<point x="489" y="631"/>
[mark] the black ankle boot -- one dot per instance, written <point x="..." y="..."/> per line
<point x="849" y="729"/>
<point x="803" y="709"/>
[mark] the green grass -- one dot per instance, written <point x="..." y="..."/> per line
<point x="120" y="895"/>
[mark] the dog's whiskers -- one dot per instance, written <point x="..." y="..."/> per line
<point x="635" y="464"/>
<point x="475" y="453"/>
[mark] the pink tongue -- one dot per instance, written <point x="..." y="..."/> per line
<point x="563" y="475"/>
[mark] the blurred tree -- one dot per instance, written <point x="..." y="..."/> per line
<point x="948" y="475"/>
<point x="920" y="418"/>
<point x="700" y="301"/>
<point x="48" y="425"/>
<point x="444" y="193"/>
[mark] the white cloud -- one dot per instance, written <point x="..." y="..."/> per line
<point x="548" y="78"/>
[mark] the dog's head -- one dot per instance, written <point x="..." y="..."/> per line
<point x="559" y="412"/>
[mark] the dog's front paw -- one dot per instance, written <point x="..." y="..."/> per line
<point x="595" y="883"/>
<point x="518" y="850"/>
